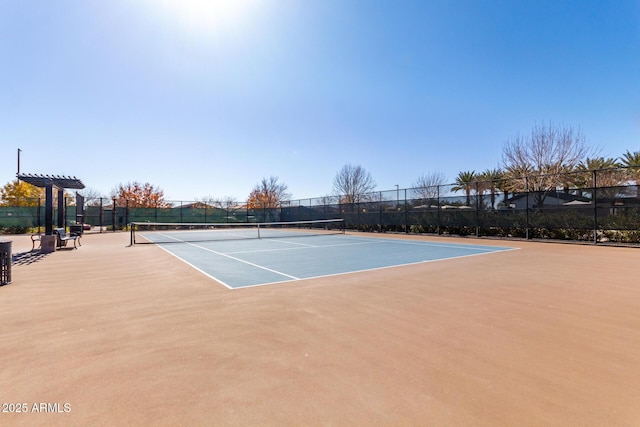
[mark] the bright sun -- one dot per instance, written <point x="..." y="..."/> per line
<point x="208" y="16"/>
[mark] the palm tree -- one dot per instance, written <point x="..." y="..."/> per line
<point x="631" y="159"/>
<point x="632" y="162"/>
<point x="490" y="180"/>
<point x="465" y="182"/>
<point x="599" y="164"/>
<point x="517" y="178"/>
<point x="607" y="175"/>
<point x="514" y="180"/>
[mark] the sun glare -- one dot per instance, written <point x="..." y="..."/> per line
<point x="208" y="16"/>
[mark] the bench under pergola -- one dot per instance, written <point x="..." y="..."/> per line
<point x="48" y="182"/>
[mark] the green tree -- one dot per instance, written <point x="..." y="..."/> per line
<point x="631" y="160"/>
<point x="489" y="180"/>
<point x="465" y="181"/>
<point x="608" y="176"/>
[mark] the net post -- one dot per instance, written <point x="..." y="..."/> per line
<point x="258" y="224"/>
<point x="132" y="240"/>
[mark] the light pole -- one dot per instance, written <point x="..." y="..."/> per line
<point x="18" y="174"/>
<point x="397" y="196"/>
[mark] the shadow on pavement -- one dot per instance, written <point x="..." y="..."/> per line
<point x="26" y="258"/>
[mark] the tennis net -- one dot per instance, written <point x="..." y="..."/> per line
<point x="169" y="232"/>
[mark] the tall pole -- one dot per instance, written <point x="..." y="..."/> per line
<point x="18" y="180"/>
<point x="18" y="174"/>
<point x="595" y="206"/>
<point x="397" y="196"/>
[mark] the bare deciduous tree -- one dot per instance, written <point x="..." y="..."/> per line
<point x="425" y="188"/>
<point x="226" y="202"/>
<point x="92" y="197"/>
<point x="268" y="193"/>
<point x="352" y="184"/>
<point x="547" y="154"/>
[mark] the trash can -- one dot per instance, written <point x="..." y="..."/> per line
<point x="5" y="263"/>
<point x="75" y="229"/>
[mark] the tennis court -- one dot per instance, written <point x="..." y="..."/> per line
<point x="120" y="335"/>
<point x="243" y="257"/>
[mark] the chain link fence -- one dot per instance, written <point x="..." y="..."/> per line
<point x="598" y="206"/>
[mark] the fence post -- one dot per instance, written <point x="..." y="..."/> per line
<point x="526" y="180"/>
<point x="439" y="220"/>
<point x="113" y="216"/>
<point x="477" y="209"/>
<point x="595" y="207"/>
<point x="406" y="216"/>
<point x="100" y="220"/>
<point x="38" y="212"/>
<point x="380" y="211"/>
<point x="64" y="212"/>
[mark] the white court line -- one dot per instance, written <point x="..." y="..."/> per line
<point x="486" y="250"/>
<point x="243" y="261"/>
<point x="377" y="268"/>
<point x="255" y="251"/>
<point x="279" y="240"/>
<point x="200" y="270"/>
<point x="438" y="245"/>
<point x="367" y="241"/>
<point x="231" y="257"/>
<point x="237" y="236"/>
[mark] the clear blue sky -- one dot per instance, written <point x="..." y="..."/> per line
<point x="201" y="98"/>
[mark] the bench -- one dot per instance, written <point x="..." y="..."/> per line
<point x="36" y="238"/>
<point x="63" y="238"/>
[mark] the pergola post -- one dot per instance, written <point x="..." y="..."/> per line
<point x="48" y="209"/>
<point x="61" y="206"/>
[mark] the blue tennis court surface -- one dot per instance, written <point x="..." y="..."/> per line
<point x="255" y="262"/>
